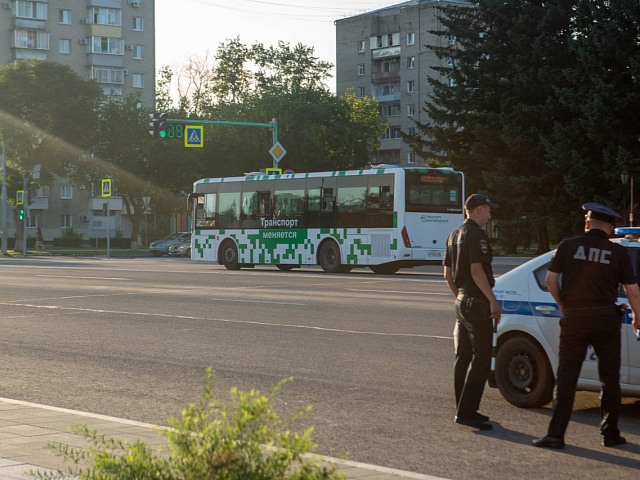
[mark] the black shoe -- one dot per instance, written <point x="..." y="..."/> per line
<point x="613" y="441"/>
<point x="481" y="417"/>
<point x="549" y="442"/>
<point x="473" y="423"/>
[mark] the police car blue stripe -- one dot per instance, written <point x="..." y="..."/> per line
<point x="510" y="307"/>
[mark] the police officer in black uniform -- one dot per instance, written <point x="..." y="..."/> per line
<point x="468" y="272"/>
<point x="592" y="267"/>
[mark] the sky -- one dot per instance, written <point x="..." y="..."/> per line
<point x="194" y="27"/>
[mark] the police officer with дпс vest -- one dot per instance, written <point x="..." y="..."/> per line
<point x="592" y="267"/>
<point x="467" y="270"/>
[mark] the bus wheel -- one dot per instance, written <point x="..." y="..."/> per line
<point x="286" y="267"/>
<point x="384" y="269"/>
<point x="329" y="258"/>
<point x="230" y="255"/>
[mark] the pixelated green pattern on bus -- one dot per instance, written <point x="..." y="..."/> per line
<point x="287" y="246"/>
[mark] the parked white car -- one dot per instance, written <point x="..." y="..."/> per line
<point x="529" y="335"/>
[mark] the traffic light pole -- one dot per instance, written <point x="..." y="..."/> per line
<point x="4" y="198"/>
<point x="25" y="183"/>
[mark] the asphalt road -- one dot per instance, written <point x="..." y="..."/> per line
<point x="372" y="354"/>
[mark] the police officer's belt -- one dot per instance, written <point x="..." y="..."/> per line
<point x="589" y="311"/>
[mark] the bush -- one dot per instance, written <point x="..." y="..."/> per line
<point x="70" y="238"/>
<point x="115" y="242"/>
<point x="244" y="440"/>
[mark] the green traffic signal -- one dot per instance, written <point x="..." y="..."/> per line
<point x="163" y="124"/>
<point x="21" y="214"/>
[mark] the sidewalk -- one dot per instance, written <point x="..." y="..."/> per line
<point x="27" y="428"/>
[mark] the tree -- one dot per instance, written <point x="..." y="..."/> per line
<point x="48" y="116"/>
<point x="125" y="152"/>
<point x="506" y="69"/>
<point x="256" y="84"/>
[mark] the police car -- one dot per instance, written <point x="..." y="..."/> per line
<point x="529" y="335"/>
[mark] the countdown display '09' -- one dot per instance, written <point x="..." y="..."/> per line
<point x="174" y="130"/>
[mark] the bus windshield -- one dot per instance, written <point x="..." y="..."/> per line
<point x="434" y="191"/>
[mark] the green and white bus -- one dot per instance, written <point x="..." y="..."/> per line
<point x="384" y="218"/>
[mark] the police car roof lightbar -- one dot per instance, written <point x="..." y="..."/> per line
<point x="627" y="231"/>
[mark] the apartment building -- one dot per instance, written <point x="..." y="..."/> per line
<point x="383" y="54"/>
<point x="109" y="41"/>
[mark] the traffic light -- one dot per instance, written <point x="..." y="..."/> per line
<point x="163" y="125"/>
<point x="154" y="125"/>
<point x="21" y="214"/>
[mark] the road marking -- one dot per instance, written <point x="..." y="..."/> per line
<point x="397" y="291"/>
<point x="86" y="278"/>
<point x="226" y="320"/>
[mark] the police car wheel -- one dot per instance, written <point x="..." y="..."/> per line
<point x="229" y="255"/>
<point x="523" y="373"/>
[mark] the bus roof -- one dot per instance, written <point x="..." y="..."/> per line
<point x="373" y="170"/>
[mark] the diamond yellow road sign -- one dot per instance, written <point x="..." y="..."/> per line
<point x="277" y="152"/>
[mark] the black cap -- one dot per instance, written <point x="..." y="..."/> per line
<point x="601" y="212"/>
<point x="477" y="200"/>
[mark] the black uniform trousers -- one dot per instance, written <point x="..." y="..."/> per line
<point x="576" y="334"/>
<point x="472" y="339"/>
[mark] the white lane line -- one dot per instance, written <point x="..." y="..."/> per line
<point x="255" y="301"/>
<point x="85" y="278"/>
<point x="226" y="320"/>
<point x="397" y="291"/>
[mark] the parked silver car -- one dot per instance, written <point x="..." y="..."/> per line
<point x="161" y="247"/>
<point x="180" y="249"/>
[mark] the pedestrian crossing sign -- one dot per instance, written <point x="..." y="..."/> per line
<point x="194" y="136"/>
<point x="106" y="187"/>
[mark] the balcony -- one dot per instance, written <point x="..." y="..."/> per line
<point x="392" y="97"/>
<point x="385" y="77"/>
<point x="385" y="52"/>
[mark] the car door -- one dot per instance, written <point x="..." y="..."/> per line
<point x="630" y="345"/>
<point x="547" y="315"/>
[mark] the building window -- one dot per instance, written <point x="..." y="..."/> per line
<point x="64" y="16"/>
<point x="411" y="131"/>
<point x="452" y="40"/>
<point x="411" y="110"/>
<point x="137" y="52"/>
<point x="361" y="69"/>
<point x="411" y="62"/>
<point x="138" y="24"/>
<point x="137" y="81"/>
<point x="411" y="86"/>
<point x="410" y="158"/>
<point x="66" y="221"/>
<point x="391" y="133"/>
<point x="360" y="92"/>
<point x="452" y="82"/>
<point x="361" y="46"/>
<point x="411" y="38"/>
<point x="390" y="39"/>
<point x="106" y="16"/>
<point x="390" y="110"/>
<point x="35" y="10"/>
<point x="108" y="75"/>
<point x="36" y="39"/>
<point x="108" y="45"/>
<point x="64" y="45"/>
<point x="66" y="192"/>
